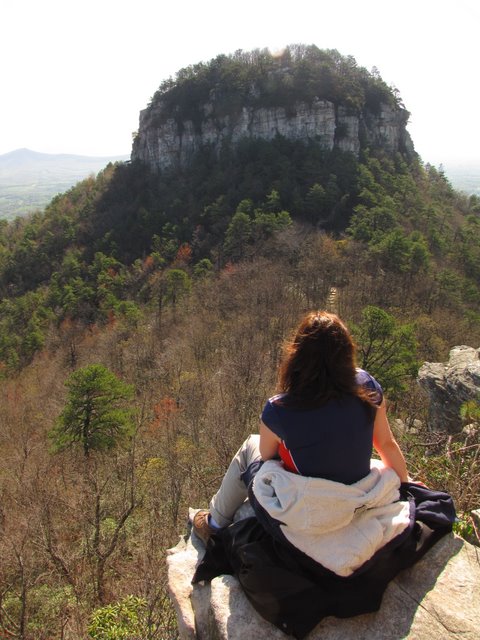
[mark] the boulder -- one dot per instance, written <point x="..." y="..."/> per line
<point x="476" y="522"/>
<point x="439" y="597"/>
<point x="449" y="385"/>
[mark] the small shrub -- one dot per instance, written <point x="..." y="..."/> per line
<point x="124" y="620"/>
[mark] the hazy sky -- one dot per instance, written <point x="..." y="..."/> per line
<point x="75" y="75"/>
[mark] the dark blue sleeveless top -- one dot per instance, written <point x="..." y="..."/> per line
<point x="333" y="441"/>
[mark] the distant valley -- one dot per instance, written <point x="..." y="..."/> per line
<point x="29" y="180"/>
<point x="464" y="177"/>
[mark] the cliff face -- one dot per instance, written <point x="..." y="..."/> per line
<point x="165" y="141"/>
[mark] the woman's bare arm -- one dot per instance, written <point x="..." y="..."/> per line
<point x="269" y="442"/>
<point x="386" y="445"/>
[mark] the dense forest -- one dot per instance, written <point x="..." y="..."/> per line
<point x="142" y="316"/>
<point x="259" y="78"/>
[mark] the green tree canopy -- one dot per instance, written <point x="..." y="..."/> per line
<point x="96" y="415"/>
<point x="387" y="349"/>
<point x="178" y="284"/>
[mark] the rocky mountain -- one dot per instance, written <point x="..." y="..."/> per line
<point x="332" y="126"/>
<point x="258" y="98"/>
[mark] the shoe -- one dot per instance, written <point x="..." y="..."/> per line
<point x="201" y="526"/>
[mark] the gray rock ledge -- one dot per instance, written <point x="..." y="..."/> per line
<point x="437" y="598"/>
<point x="449" y="385"/>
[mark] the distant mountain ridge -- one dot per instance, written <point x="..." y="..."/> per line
<point x="30" y="179"/>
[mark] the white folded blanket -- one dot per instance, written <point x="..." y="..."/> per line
<point x="340" y="526"/>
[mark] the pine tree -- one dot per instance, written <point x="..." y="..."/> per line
<point x="96" y="415"/>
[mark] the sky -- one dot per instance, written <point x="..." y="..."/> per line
<point x="75" y="74"/>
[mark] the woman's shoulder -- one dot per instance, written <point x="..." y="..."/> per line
<point x="273" y="414"/>
<point x="365" y="379"/>
<point x="277" y="398"/>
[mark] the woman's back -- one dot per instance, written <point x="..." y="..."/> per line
<point x="332" y="441"/>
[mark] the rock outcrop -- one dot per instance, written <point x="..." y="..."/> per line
<point x="163" y="141"/>
<point x="437" y="598"/>
<point x="476" y="521"/>
<point x="449" y="385"/>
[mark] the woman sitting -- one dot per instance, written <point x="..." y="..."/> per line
<point x="321" y="424"/>
<point x="314" y="489"/>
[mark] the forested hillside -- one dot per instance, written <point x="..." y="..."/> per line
<point x="141" y="320"/>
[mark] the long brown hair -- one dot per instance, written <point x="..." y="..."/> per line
<point x="319" y="363"/>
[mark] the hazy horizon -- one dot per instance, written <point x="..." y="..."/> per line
<point x="43" y="153"/>
<point x="90" y="69"/>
